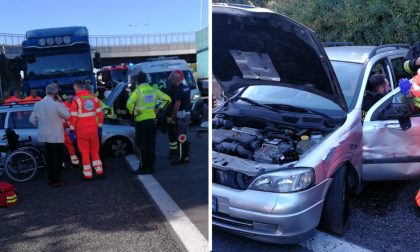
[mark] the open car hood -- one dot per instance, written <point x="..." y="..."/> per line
<point x="254" y="46"/>
<point x="115" y="93"/>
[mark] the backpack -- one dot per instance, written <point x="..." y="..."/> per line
<point x="8" y="195"/>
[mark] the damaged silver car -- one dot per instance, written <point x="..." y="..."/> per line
<point x="290" y="145"/>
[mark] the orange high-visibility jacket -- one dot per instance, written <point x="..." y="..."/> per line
<point x="85" y="111"/>
<point x="12" y="99"/>
<point x="66" y="123"/>
<point x="30" y="99"/>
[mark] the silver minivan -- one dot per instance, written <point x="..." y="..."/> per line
<point x="290" y="144"/>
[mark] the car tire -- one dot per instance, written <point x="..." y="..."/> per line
<point x="336" y="212"/>
<point x="118" y="146"/>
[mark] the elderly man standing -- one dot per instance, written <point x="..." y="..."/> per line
<point x="48" y="115"/>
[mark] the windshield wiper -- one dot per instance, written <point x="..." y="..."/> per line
<point x="255" y="103"/>
<point x="298" y="109"/>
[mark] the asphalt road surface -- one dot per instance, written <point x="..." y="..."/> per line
<point x="383" y="218"/>
<point x="114" y="214"/>
<point x="187" y="184"/>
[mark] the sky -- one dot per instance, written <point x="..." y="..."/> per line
<point x="104" y="17"/>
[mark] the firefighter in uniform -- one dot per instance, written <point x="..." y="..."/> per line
<point x="69" y="137"/>
<point x="181" y="115"/>
<point x="172" y="137"/>
<point x="86" y="120"/>
<point x="142" y="103"/>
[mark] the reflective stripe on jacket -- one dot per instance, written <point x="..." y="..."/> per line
<point x="142" y="102"/>
<point x="85" y="111"/>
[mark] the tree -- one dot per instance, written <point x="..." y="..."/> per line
<point x="364" y="22"/>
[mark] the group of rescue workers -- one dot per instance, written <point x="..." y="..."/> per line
<point x="77" y="121"/>
<point x="145" y="102"/>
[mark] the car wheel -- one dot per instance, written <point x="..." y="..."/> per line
<point x="336" y="210"/>
<point x="118" y="147"/>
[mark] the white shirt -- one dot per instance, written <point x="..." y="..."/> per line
<point x="48" y="115"/>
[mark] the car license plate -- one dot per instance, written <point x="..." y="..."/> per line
<point x="214" y="204"/>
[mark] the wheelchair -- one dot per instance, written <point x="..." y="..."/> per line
<point x="19" y="159"/>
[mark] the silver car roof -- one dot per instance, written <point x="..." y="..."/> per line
<point x="356" y="54"/>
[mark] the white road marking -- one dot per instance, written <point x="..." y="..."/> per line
<point x="187" y="232"/>
<point x="326" y="242"/>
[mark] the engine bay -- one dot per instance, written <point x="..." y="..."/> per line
<point x="263" y="143"/>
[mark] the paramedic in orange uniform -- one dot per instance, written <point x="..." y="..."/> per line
<point x="32" y="98"/>
<point x="70" y="138"/>
<point x="13" y="98"/>
<point x="86" y="121"/>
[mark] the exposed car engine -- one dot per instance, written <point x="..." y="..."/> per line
<point x="270" y="144"/>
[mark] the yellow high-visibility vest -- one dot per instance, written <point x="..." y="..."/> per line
<point x="142" y="102"/>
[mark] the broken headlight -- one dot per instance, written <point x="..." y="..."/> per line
<point x="285" y="181"/>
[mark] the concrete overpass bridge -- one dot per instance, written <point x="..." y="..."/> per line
<point x="116" y="49"/>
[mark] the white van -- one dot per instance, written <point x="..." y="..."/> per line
<point x="158" y="71"/>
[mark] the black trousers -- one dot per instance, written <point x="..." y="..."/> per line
<point x="145" y="140"/>
<point x="54" y="161"/>
<point x="172" y="136"/>
<point x="181" y="128"/>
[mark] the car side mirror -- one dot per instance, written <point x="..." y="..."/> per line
<point x="97" y="60"/>
<point x="401" y="112"/>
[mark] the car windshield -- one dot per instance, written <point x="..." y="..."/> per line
<point x="64" y="63"/>
<point x="161" y="79"/>
<point x="119" y="75"/>
<point x="348" y="75"/>
<point x="269" y="94"/>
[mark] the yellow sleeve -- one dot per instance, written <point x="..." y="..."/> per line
<point x="131" y="102"/>
<point x="164" y="98"/>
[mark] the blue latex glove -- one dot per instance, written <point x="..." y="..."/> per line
<point x="72" y="136"/>
<point x="100" y="133"/>
<point x="405" y="86"/>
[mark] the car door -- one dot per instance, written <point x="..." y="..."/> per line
<point x="19" y="122"/>
<point x="390" y="153"/>
<point x="396" y="62"/>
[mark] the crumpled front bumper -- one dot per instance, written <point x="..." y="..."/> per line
<point x="270" y="217"/>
